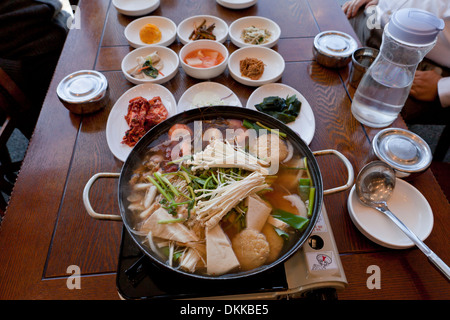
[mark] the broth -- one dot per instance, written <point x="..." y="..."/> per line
<point x="203" y="58"/>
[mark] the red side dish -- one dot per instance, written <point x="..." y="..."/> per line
<point x="203" y="58"/>
<point x="142" y="115"/>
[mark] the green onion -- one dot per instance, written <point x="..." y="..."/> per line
<point x="312" y="192"/>
<point x="281" y="233"/>
<point x="160" y="189"/>
<point x="281" y="134"/>
<point x="295" y="221"/>
<point x="167" y="182"/>
<point x="247" y="124"/>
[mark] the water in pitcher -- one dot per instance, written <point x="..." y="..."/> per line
<point x="383" y="90"/>
<point x="381" y="95"/>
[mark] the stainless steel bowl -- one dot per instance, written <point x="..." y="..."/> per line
<point x="407" y="153"/>
<point x="334" y="49"/>
<point x="84" y="91"/>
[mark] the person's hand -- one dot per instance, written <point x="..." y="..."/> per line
<point x="424" y="86"/>
<point x="351" y="8"/>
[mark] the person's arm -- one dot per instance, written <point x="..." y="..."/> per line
<point x="444" y="91"/>
<point x="352" y="7"/>
<point x="429" y="85"/>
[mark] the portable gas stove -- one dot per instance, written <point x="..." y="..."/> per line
<point x="314" y="272"/>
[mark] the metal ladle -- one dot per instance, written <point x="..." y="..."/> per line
<point x="374" y="186"/>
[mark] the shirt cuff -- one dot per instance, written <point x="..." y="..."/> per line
<point x="444" y="91"/>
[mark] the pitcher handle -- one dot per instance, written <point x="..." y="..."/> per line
<point x="348" y="165"/>
<point x="87" y="202"/>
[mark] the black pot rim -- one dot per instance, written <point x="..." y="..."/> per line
<point x="214" y="112"/>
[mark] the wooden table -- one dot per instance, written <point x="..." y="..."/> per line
<point x="46" y="228"/>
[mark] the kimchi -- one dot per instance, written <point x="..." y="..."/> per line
<point x="142" y="115"/>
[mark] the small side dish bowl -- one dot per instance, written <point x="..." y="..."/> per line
<point x="237" y="27"/>
<point x="187" y="26"/>
<point x="273" y="65"/>
<point x="203" y="73"/>
<point x="169" y="60"/>
<point x="237" y="4"/>
<point x="167" y="27"/>
<point x="136" y="8"/>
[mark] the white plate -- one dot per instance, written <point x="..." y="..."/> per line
<point x="305" y="124"/>
<point x="273" y="61"/>
<point x="116" y="125"/>
<point x="188" y="25"/>
<point x="167" y="27"/>
<point x="236" y="4"/>
<point x="210" y="90"/>
<point x="135" y="7"/>
<point x="169" y="59"/>
<point x="407" y="203"/>
<point x="236" y="28"/>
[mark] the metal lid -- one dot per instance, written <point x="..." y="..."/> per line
<point x="335" y="44"/>
<point x="82" y="86"/>
<point x="402" y="150"/>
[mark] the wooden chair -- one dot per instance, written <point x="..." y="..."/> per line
<point x="14" y="111"/>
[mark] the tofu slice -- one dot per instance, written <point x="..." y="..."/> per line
<point x="220" y="257"/>
<point x="257" y="213"/>
<point x="170" y="231"/>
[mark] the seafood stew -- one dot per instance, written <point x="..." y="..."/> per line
<point x="198" y="214"/>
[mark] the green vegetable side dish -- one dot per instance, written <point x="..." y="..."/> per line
<point x="149" y="70"/>
<point x="285" y="110"/>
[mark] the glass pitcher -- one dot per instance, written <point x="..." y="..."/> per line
<point x="382" y="92"/>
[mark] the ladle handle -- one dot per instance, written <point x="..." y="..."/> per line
<point x="432" y="257"/>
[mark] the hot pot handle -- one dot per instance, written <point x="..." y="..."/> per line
<point x="87" y="202"/>
<point x="348" y="165"/>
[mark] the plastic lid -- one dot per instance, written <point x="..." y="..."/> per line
<point x="82" y="86"/>
<point x="402" y="150"/>
<point x="335" y="44"/>
<point x="415" y="26"/>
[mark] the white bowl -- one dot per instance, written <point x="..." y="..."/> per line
<point x="273" y="61"/>
<point x="188" y="25"/>
<point x="136" y="7"/>
<point x="236" y="4"/>
<point x="167" y="27"/>
<point x="239" y="25"/>
<point x="203" y="93"/>
<point x="203" y="73"/>
<point x="168" y="56"/>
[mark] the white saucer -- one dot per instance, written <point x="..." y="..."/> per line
<point x="136" y="7"/>
<point x="407" y="203"/>
<point x="236" y="4"/>
<point x="213" y="90"/>
<point x="304" y="125"/>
